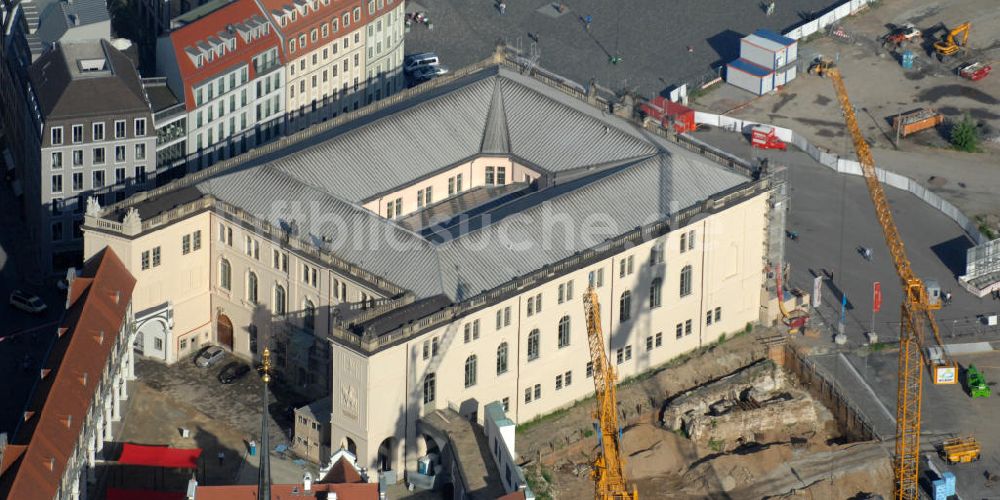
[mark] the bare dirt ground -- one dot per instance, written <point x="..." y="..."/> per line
<point x="664" y="463"/>
<point x="880" y="88"/>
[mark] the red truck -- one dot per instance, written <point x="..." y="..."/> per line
<point x="764" y="137"/>
<point x="975" y="71"/>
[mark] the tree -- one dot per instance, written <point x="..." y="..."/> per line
<point x="965" y="135"/>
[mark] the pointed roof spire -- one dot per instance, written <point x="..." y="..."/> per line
<point x="496" y="138"/>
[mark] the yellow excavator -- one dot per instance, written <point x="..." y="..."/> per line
<point x="957" y="39"/>
<point x="608" y="468"/>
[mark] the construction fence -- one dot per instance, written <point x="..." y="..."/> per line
<point x="850" y="167"/>
<point x="852" y="421"/>
<point x="828" y="18"/>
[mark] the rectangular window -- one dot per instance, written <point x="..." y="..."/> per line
<point x="475" y="330"/>
<point x="531" y="306"/>
<point x="680" y="330"/>
<point x="78" y="181"/>
<point x="538" y="303"/>
<point x="57" y="136"/>
<point x="119" y="129"/>
<point x="98" y="179"/>
<point x="499" y="318"/>
<point x="57" y="161"/>
<point x="57" y="206"/>
<point x="145" y="260"/>
<point x="620" y="355"/>
<point x="628" y="352"/>
<point x="77" y="157"/>
<point x="196" y="240"/>
<point x="98" y="132"/>
<point x="569" y="290"/>
<point x="687" y="327"/>
<point x="98" y="156"/>
<point x="590" y="369"/>
<point x="57" y="186"/>
<point x="140" y="175"/>
<point x="119" y="154"/>
<point x="562" y="293"/>
<point x="691" y="240"/>
<point x="527" y="395"/>
<point x="140" y="127"/>
<point x="659" y="339"/>
<point x="426" y="350"/>
<point x="559" y="382"/>
<point x="468" y="333"/>
<point x="506" y="316"/>
<point x="119" y="175"/>
<point x="506" y="404"/>
<point x="451" y="186"/>
<point x="501" y="175"/>
<point x="568" y="378"/>
<point x="708" y="318"/>
<point x="420" y="198"/>
<point x="458" y="183"/>
<point x="631" y="264"/>
<point x="186" y="244"/>
<point x="156" y="256"/>
<point x="434" y="346"/>
<point x="538" y="391"/>
<point x="489" y="176"/>
<point x="427" y="195"/>
<point x="77" y="134"/>
<point x="621" y="268"/>
<point x="649" y="344"/>
<point x="718" y="314"/>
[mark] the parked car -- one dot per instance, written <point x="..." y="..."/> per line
<point x="210" y="356"/>
<point x="414" y="62"/>
<point x="27" y="302"/>
<point x="428" y="72"/>
<point x="233" y="372"/>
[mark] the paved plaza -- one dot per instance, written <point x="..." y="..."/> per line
<point x="651" y="37"/>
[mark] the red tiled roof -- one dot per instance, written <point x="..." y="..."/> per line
<point x="356" y="491"/>
<point x="342" y="472"/>
<point x="514" y="495"/>
<point x="189" y="36"/>
<point x="75" y="364"/>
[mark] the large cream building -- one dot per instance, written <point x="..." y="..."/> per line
<point x="434" y="252"/>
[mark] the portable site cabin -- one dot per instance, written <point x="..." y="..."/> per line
<point x="749" y="76"/>
<point x="767" y="61"/>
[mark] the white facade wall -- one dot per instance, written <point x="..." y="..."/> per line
<point x="759" y="85"/>
<point x="384" y="54"/>
<point x="378" y="398"/>
<point x="761" y="56"/>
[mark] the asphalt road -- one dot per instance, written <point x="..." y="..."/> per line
<point x="833" y="216"/>
<point x="651" y="37"/>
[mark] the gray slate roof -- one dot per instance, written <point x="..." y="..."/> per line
<point x="61" y="16"/>
<point x="610" y="178"/>
<point x="64" y="92"/>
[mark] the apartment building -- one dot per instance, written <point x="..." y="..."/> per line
<point x="83" y="382"/>
<point x="29" y="29"/>
<point x="95" y="138"/>
<point x="449" y="277"/>
<point x="323" y="42"/>
<point x="384" y="37"/>
<point x="227" y="65"/>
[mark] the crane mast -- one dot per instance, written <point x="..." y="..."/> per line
<point x="608" y="468"/>
<point x="917" y="315"/>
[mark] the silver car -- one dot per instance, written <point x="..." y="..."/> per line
<point x="209" y="356"/>
<point x="428" y="72"/>
<point x="27" y="302"/>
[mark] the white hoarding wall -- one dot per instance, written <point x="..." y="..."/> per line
<point x="850" y="167"/>
<point x="839" y="12"/>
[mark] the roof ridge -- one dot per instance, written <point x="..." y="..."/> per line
<point x="496" y="134"/>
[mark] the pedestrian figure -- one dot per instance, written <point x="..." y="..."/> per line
<point x="222" y="456"/>
<point x="690" y="49"/>
<point x="770" y="8"/>
<point x="586" y="22"/>
<point x="503" y="8"/>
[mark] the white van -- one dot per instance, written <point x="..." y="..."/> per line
<point x="414" y="62"/>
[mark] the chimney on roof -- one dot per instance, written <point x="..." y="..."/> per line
<point x="83" y="379"/>
<point x="69" y="420"/>
<point x="52" y="463"/>
<point x="100" y="337"/>
<point x="118" y="296"/>
<point x="307" y="481"/>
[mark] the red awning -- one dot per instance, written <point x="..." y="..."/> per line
<point x="117" y="494"/>
<point x="160" y="456"/>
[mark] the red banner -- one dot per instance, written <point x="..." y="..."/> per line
<point x="877" y="297"/>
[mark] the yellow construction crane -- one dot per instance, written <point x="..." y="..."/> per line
<point x="917" y="317"/>
<point x="608" y="468"/>
<point x="949" y="46"/>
